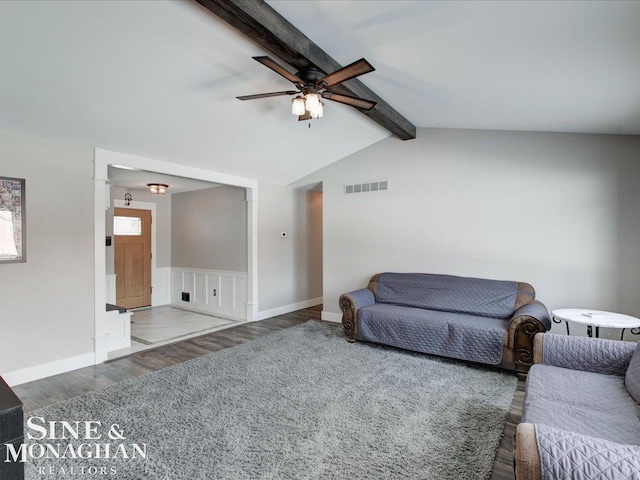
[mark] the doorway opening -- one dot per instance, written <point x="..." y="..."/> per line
<point x="135" y="270"/>
<point x="132" y="257"/>
<point x="155" y="236"/>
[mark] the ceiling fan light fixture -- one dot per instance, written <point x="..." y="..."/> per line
<point x="312" y="85"/>
<point x="298" y="106"/>
<point x="157" y="188"/>
<point x="312" y="102"/>
<point x="318" y="112"/>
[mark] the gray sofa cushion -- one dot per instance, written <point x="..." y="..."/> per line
<point x="582" y="402"/>
<point x="447" y="293"/>
<point x="447" y="334"/>
<point x="632" y="377"/>
<point x="568" y="455"/>
<point x="596" y="355"/>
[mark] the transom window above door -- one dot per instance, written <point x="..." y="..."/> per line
<point x="127" y="225"/>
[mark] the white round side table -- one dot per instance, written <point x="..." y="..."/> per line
<point x="596" y="318"/>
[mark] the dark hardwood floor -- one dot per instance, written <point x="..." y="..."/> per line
<point x="503" y="463"/>
<point x="67" y="385"/>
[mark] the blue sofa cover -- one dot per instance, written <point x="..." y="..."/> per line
<point x="457" y="317"/>
<point x="580" y="419"/>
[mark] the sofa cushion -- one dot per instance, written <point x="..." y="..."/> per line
<point x="632" y="377"/>
<point x="447" y="334"/>
<point x="447" y="293"/>
<point x="587" y="403"/>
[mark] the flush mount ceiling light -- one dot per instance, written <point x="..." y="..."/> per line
<point x="312" y="84"/>
<point x="157" y="188"/>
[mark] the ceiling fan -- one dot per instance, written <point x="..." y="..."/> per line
<point x="312" y="84"/>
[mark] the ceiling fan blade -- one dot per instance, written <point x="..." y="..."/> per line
<point x="347" y="100"/>
<point x="279" y="69"/>
<point x="306" y="116"/>
<point x="265" y="95"/>
<point x="357" y="68"/>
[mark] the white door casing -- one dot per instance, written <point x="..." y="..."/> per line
<point x="105" y="158"/>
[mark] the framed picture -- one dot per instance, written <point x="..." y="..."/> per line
<point x="13" y="221"/>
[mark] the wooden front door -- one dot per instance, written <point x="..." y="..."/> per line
<point x="132" y="234"/>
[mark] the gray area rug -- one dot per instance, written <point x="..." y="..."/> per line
<point x="302" y="403"/>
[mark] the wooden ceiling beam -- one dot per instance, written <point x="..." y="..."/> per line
<point x="262" y="24"/>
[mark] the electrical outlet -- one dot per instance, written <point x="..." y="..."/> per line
<point x="186" y="297"/>
<point x="283" y="234"/>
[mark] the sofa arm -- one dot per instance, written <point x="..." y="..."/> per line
<point x="349" y="304"/>
<point x="535" y="310"/>
<point x="526" y="456"/>
<point x="597" y="355"/>
<point x="525" y="323"/>
<point x="568" y="455"/>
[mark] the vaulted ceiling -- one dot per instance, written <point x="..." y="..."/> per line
<point x="159" y="79"/>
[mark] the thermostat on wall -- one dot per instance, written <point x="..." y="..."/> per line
<point x="283" y="234"/>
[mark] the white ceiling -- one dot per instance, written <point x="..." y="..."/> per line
<point x="560" y="66"/>
<point x="138" y="180"/>
<point x="158" y="79"/>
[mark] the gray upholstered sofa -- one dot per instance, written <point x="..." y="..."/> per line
<point x="486" y="321"/>
<point x="581" y="418"/>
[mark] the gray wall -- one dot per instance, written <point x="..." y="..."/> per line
<point x="289" y="269"/>
<point x="163" y="220"/>
<point x="47" y="303"/>
<point x="209" y="229"/>
<point x="561" y="211"/>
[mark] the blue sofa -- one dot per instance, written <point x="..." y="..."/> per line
<point x="480" y="320"/>
<point x="581" y="413"/>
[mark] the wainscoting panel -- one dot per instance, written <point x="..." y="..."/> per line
<point x="211" y="291"/>
<point x="187" y="284"/>
<point x="241" y="292"/>
<point x="227" y="292"/>
<point x="161" y="282"/>
<point x="200" y="290"/>
<point x="176" y="284"/>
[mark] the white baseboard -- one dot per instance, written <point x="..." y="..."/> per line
<point x="331" y="317"/>
<point x="37" y="372"/>
<point x="274" y="312"/>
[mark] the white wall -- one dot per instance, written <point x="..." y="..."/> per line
<point x="560" y="211"/>
<point x="47" y="303"/>
<point x="289" y="269"/>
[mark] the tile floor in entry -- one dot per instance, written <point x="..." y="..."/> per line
<point x="156" y="326"/>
